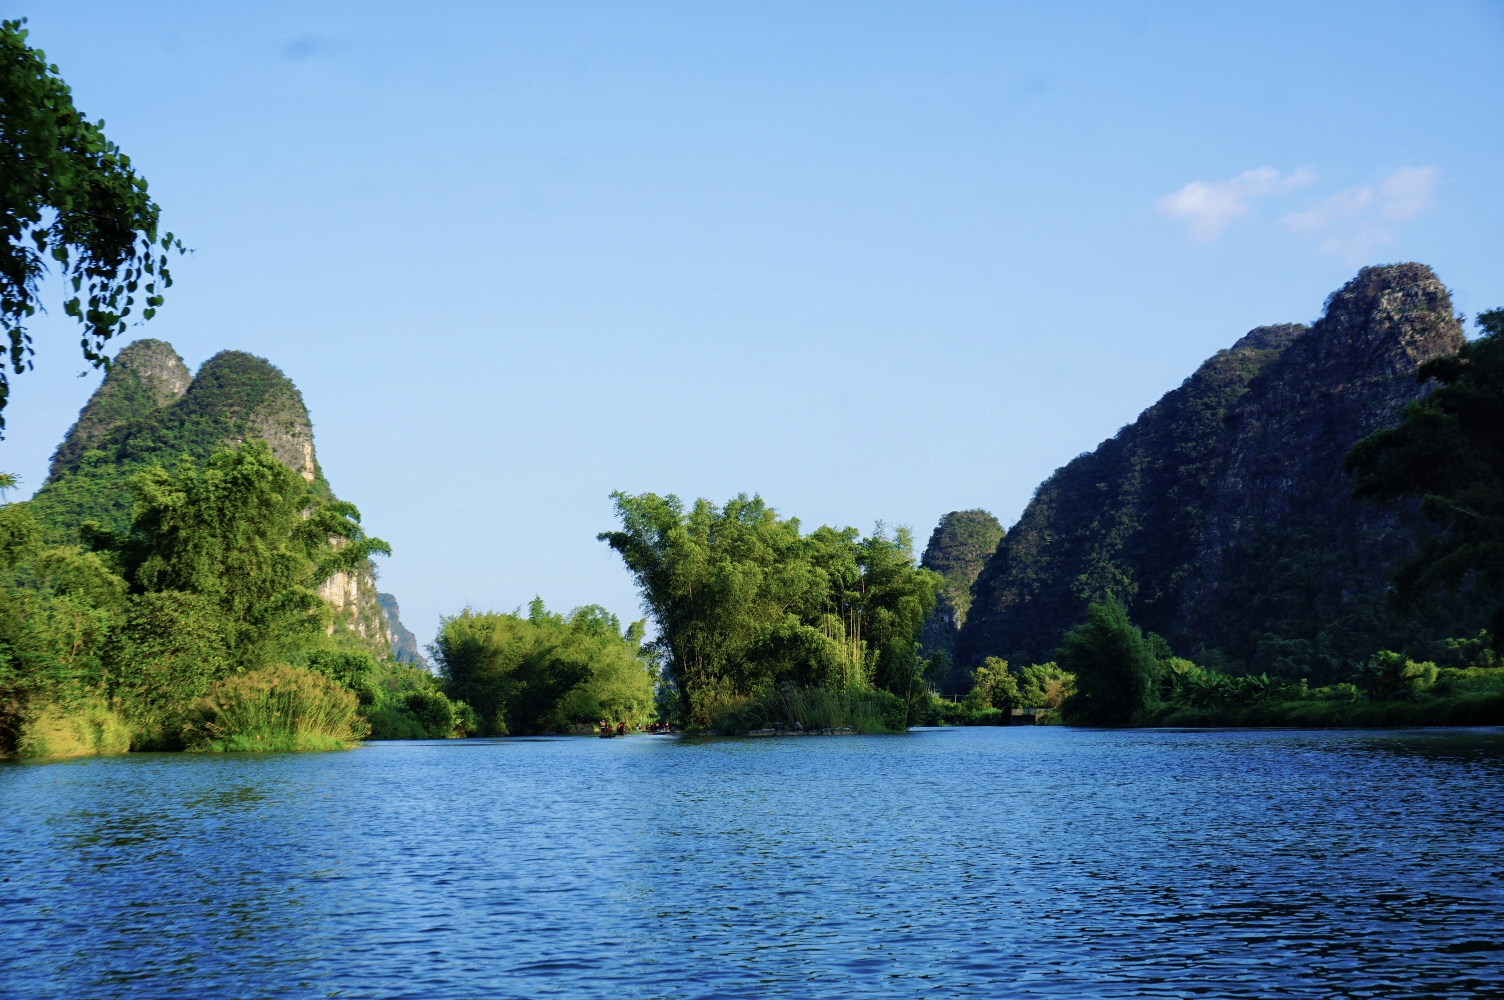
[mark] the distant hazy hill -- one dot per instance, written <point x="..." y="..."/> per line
<point x="149" y="409"/>
<point x="1221" y="515"/>
<point x="404" y="643"/>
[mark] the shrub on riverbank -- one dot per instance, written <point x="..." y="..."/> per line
<point x="72" y="730"/>
<point x="865" y="711"/>
<point x="1472" y="696"/>
<point x="279" y="708"/>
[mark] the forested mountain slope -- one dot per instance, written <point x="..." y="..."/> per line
<point x="1221" y="517"/>
<point x="149" y="409"/>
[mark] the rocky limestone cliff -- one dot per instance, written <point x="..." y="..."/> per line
<point x="134" y="419"/>
<point x="957" y="550"/>
<point x="248" y="397"/>
<point x="1221" y="516"/>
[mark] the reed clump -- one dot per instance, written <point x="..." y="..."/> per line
<point x="277" y="708"/>
<point x="76" y="729"/>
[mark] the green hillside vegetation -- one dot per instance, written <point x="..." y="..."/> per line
<point x="1444" y="453"/>
<point x="160" y="636"/>
<point x="1221" y="518"/>
<point x="1447" y="455"/>
<point x="958" y="549"/>
<point x="748" y="608"/>
<point x="234" y="397"/>
<point x="996" y="691"/>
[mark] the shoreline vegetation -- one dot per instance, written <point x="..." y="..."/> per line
<point x="199" y="624"/>
<point x="189" y="614"/>
<point x="201" y="629"/>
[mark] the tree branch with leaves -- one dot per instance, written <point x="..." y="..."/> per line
<point x="70" y="196"/>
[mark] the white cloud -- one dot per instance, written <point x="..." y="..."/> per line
<point x="1355" y="221"/>
<point x="1211" y="206"/>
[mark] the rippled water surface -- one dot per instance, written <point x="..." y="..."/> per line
<point x="976" y="862"/>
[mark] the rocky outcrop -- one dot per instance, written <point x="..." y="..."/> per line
<point x="137" y="416"/>
<point x="404" y="643"/>
<point x="144" y="377"/>
<point x="1221" y="517"/>
<point x="253" y="399"/>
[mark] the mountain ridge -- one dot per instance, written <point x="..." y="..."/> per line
<point x="1221" y="516"/>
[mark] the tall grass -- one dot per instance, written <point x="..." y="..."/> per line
<point x="865" y="711"/>
<point x="279" y="708"/>
<point x="72" y="730"/>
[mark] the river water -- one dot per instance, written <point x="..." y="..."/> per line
<point x="961" y="862"/>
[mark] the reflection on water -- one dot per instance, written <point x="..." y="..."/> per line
<point x="978" y="862"/>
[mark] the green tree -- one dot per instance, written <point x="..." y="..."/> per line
<point x="1447" y="452"/>
<point x="1044" y="685"/>
<point x="218" y="578"/>
<point x="1113" y="664"/>
<point x="745" y="602"/>
<point x="69" y="194"/>
<point x="544" y="671"/>
<point x="252" y="535"/>
<point x="992" y="686"/>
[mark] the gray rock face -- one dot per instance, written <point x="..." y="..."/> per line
<point x="404" y="643"/>
<point x="1221" y="517"/>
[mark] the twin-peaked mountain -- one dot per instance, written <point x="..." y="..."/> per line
<point x="149" y="408"/>
<point x="1221" y="517"/>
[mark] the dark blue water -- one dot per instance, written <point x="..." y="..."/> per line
<point x="977" y="862"/>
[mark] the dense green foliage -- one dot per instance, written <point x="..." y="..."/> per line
<point x="1448" y="453"/>
<point x="69" y="195"/>
<point x="1122" y="521"/>
<point x="958" y="548"/>
<point x="546" y="672"/>
<point x="248" y="533"/>
<point x="1426" y="696"/>
<point x="1113" y="665"/>
<point x="1125" y="677"/>
<point x="745" y="604"/>
<point x="216" y="579"/>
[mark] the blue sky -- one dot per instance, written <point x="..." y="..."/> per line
<point x="873" y="261"/>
